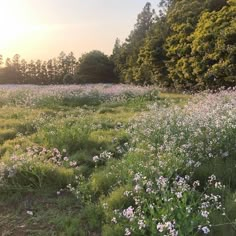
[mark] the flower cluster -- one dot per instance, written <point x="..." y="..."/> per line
<point x="26" y="160"/>
<point x="175" y="143"/>
<point x="103" y="157"/>
<point x="33" y="95"/>
<point x="168" y="206"/>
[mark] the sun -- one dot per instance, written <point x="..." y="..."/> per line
<point x="13" y="23"/>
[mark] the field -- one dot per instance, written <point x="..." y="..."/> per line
<point x="116" y="160"/>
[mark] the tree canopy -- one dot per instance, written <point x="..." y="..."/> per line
<point x="188" y="45"/>
<point x="95" y="67"/>
<point x="92" y="67"/>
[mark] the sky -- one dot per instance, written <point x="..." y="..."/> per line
<point x="41" y="29"/>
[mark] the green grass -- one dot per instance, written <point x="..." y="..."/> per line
<point x="68" y="199"/>
<point x="84" y="131"/>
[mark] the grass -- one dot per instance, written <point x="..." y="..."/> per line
<point x="77" y="162"/>
<point x="85" y="129"/>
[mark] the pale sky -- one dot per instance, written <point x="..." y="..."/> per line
<point x="41" y="29"/>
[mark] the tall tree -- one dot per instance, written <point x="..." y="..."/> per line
<point x="8" y="62"/>
<point x="38" y="74"/>
<point x="214" y="48"/>
<point x="61" y="67"/>
<point x="116" y="57"/>
<point x="44" y="79"/>
<point x="152" y="56"/>
<point x="9" y="73"/>
<point x="182" y="18"/>
<point x="127" y="54"/>
<point x="31" y="73"/>
<point x="1" y="70"/>
<point x="71" y="63"/>
<point x="51" y="71"/>
<point x="23" y="70"/>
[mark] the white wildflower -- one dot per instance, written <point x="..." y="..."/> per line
<point x="205" y="230"/>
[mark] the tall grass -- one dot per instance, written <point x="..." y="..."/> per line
<point x="180" y="165"/>
<point x="137" y="163"/>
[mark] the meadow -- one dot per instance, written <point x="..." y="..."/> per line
<point x="116" y="160"/>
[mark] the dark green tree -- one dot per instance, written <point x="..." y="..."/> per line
<point x="152" y="69"/>
<point x="1" y="70"/>
<point x="95" y="67"/>
<point x="117" y="58"/>
<point x="125" y="56"/>
<point x="16" y="67"/>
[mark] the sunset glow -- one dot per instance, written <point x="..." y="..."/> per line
<point x="16" y="25"/>
<point x="42" y="29"/>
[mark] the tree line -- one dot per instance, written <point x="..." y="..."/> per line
<point x="92" y="67"/>
<point x="187" y="45"/>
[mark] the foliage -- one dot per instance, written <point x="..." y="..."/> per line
<point x="173" y="158"/>
<point x="182" y="20"/>
<point x="152" y="69"/>
<point x="37" y="173"/>
<point x="125" y="56"/>
<point x="95" y="67"/>
<point x="214" y="48"/>
<point x="53" y="71"/>
<point x="189" y="45"/>
<point x="140" y="162"/>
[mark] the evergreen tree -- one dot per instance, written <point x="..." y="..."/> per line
<point x="51" y="73"/>
<point x="8" y="62"/>
<point x="152" y="69"/>
<point x="71" y="63"/>
<point x="38" y="74"/>
<point x="44" y="79"/>
<point x="127" y="54"/>
<point x="23" y="70"/>
<point x="182" y="18"/>
<point x="31" y="75"/>
<point x="9" y="75"/>
<point x="117" y="58"/>
<point x="61" y="67"/>
<point x="214" y="48"/>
